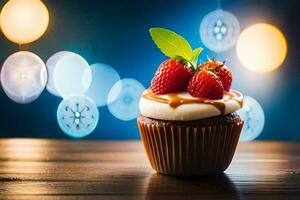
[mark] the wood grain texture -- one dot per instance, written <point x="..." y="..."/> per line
<point x="61" y="169"/>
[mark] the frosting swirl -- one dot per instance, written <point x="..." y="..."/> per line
<point x="184" y="107"/>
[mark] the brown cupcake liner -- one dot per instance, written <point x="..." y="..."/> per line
<point x="187" y="151"/>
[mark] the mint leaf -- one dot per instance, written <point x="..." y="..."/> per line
<point x="196" y="54"/>
<point x="170" y="43"/>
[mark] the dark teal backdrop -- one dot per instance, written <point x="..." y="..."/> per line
<point x="115" y="32"/>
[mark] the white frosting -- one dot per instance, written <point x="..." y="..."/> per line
<point x="185" y="112"/>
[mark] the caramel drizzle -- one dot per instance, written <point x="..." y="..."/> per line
<point x="174" y="100"/>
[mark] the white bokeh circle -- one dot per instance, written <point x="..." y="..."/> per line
<point x="77" y="116"/>
<point x="104" y="77"/>
<point x="254" y="119"/>
<point x="124" y="99"/>
<point x="23" y="77"/>
<point x="69" y="74"/>
<point x="219" y="30"/>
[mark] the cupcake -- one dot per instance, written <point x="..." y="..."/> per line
<point x="188" y="122"/>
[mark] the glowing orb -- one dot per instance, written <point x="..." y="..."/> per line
<point x="24" y="21"/>
<point x="69" y="74"/>
<point x="254" y="119"/>
<point x="219" y="30"/>
<point x="23" y="77"/>
<point x="261" y="47"/>
<point x="104" y="77"/>
<point x="77" y="116"/>
<point x="126" y="103"/>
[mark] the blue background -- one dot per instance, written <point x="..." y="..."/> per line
<point x="115" y="32"/>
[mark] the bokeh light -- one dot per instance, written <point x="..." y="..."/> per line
<point x="69" y="74"/>
<point x="254" y="119"/>
<point x="51" y="62"/>
<point x="24" y="21"/>
<point x="261" y="47"/>
<point x="104" y="77"/>
<point x="77" y="116"/>
<point x="219" y="30"/>
<point x="23" y="77"/>
<point x="125" y="104"/>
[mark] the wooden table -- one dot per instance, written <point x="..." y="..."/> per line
<point x="61" y="169"/>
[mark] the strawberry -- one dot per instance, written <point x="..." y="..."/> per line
<point x="171" y="76"/>
<point x="221" y="70"/>
<point x="206" y="84"/>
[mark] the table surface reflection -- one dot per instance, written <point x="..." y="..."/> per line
<point x="63" y="169"/>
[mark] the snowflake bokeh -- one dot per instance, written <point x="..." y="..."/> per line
<point x="23" y="77"/>
<point x="77" y="116"/>
<point x="219" y="30"/>
<point x="126" y="93"/>
<point x="254" y="119"/>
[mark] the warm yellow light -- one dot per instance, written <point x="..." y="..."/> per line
<point x="23" y="76"/>
<point x="24" y="21"/>
<point x="261" y="47"/>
